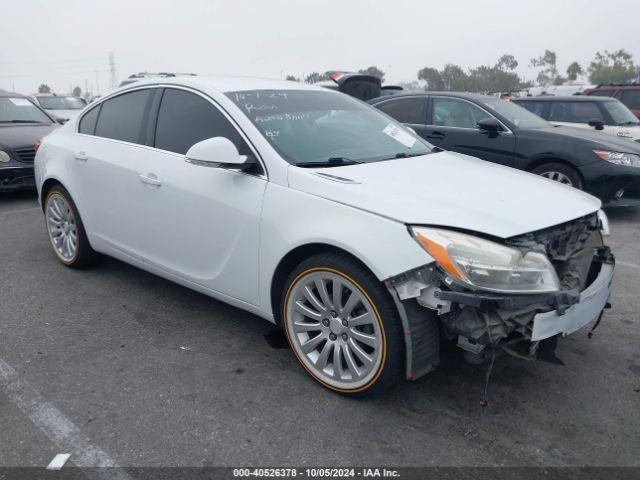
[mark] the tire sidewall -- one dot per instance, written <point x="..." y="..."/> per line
<point x="389" y="369"/>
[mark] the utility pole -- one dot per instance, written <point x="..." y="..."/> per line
<point x="97" y="84"/>
<point x="113" y="81"/>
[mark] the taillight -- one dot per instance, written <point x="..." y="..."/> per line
<point x="37" y="145"/>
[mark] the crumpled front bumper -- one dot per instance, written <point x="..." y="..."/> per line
<point x="592" y="301"/>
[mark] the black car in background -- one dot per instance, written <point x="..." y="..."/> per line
<point x="22" y="125"/>
<point x="500" y="131"/>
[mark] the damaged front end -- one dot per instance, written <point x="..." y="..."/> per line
<point x="559" y="279"/>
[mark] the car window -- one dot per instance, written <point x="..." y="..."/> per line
<point x="20" y="110"/>
<point x="406" y="110"/>
<point x="533" y="107"/>
<point x="620" y="113"/>
<point x="61" y="103"/>
<point x="185" y="119"/>
<point x="121" y="117"/>
<point x="631" y="98"/>
<point x="601" y="93"/>
<point x="88" y="121"/>
<point x="574" y="112"/>
<point x="451" y="112"/>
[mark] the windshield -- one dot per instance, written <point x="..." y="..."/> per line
<point x="517" y="115"/>
<point x="620" y="114"/>
<point x="61" y="103"/>
<point x="20" y="110"/>
<point x="320" y="128"/>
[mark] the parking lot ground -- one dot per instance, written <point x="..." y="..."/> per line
<point x="153" y="374"/>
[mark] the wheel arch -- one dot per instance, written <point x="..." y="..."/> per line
<point x="291" y="260"/>
<point x="551" y="159"/>
<point x="47" y="185"/>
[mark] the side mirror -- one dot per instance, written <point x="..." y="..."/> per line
<point x="490" y="125"/>
<point x="596" y="123"/>
<point x="217" y="152"/>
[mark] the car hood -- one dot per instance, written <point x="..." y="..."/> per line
<point x="618" y="144"/>
<point x="23" y="135"/>
<point x="450" y="190"/>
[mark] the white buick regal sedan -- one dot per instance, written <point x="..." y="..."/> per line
<point x="323" y="215"/>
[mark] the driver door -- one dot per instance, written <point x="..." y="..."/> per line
<point x="453" y="126"/>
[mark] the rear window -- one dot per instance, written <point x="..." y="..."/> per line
<point x="406" y="110"/>
<point x="121" y="117"/>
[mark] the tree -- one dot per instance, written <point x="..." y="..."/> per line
<point x="548" y="65"/>
<point x="574" y="70"/>
<point x="292" y="78"/>
<point x="77" y="92"/>
<point x="44" y="88"/>
<point x="432" y="78"/>
<point x="315" y="77"/>
<point x="374" y="72"/>
<point x="453" y="77"/>
<point x="507" y="62"/>
<point x="612" y="67"/>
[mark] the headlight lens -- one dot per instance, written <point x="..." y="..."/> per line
<point x="4" y="157"/>
<point x="488" y="265"/>
<point x="626" y="159"/>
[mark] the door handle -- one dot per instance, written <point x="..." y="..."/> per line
<point x="151" y="179"/>
<point x="81" y="157"/>
<point x="436" y="135"/>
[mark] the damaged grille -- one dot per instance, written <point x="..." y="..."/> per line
<point x="570" y="246"/>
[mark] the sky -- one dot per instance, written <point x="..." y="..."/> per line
<point x="65" y="43"/>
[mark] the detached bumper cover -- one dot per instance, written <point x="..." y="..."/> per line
<point x="592" y="301"/>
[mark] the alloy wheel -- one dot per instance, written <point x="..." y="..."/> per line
<point x="62" y="227"/>
<point x="558" y="177"/>
<point x="334" y="329"/>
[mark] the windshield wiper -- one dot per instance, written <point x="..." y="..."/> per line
<point x="631" y="122"/>
<point x="330" y="162"/>
<point x="19" y="121"/>
<point x="408" y="155"/>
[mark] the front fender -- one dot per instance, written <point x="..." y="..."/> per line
<point x="383" y="245"/>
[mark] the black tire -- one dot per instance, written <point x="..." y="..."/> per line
<point x="569" y="172"/>
<point x="391" y="367"/>
<point x="84" y="256"/>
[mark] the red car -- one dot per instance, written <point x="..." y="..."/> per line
<point x="627" y="93"/>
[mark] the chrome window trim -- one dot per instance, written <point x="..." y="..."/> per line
<point x="213" y="102"/>
<point x="507" y="130"/>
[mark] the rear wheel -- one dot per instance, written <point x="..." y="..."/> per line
<point x="66" y="231"/>
<point x="560" y="172"/>
<point x="342" y="325"/>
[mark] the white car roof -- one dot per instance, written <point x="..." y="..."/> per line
<point x="228" y="84"/>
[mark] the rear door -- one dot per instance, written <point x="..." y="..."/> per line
<point x="453" y="125"/>
<point x="107" y="154"/>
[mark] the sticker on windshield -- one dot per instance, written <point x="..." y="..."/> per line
<point x="20" y="102"/>
<point x="400" y="135"/>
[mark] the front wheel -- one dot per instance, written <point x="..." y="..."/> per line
<point x="560" y="173"/>
<point x="342" y="325"/>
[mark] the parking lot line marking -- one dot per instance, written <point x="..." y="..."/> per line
<point x="21" y="210"/>
<point x="57" y="427"/>
<point x="58" y="461"/>
<point x="630" y="265"/>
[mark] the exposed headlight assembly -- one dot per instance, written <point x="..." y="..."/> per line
<point x="487" y="265"/>
<point x="604" y="223"/>
<point x="4" y="157"/>
<point x="626" y="159"/>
